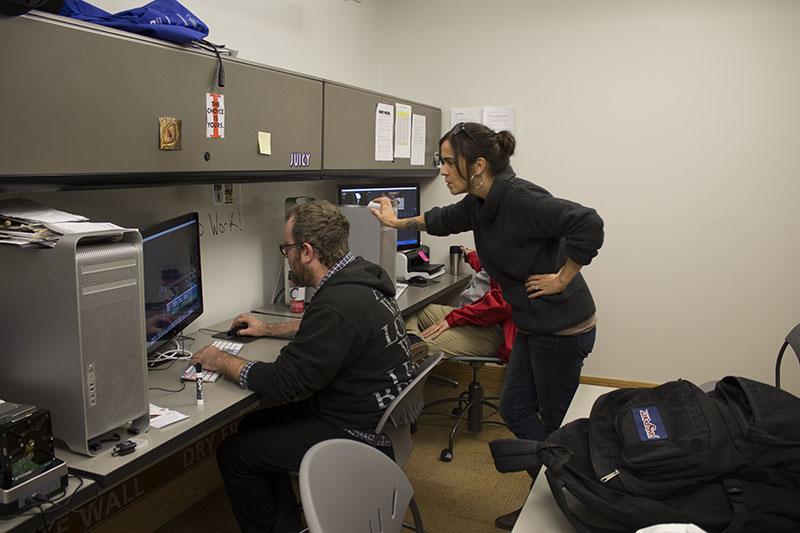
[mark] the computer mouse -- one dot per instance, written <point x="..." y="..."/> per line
<point x="417" y="279"/>
<point x="234" y="331"/>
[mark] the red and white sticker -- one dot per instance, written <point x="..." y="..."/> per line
<point x="215" y="116"/>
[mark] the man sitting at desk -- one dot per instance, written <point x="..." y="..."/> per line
<point x="350" y="354"/>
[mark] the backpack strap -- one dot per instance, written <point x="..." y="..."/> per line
<point x="514" y="455"/>
<point x="735" y="493"/>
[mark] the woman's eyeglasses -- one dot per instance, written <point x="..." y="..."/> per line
<point x="284" y="248"/>
<point x="460" y="127"/>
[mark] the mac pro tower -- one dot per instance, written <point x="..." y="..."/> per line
<point x="72" y="328"/>
<point x="371" y="239"/>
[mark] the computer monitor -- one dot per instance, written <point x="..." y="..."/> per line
<point x="407" y="197"/>
<point x="173" y="289"/>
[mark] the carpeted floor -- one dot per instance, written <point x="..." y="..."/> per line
<point x="466" y="494"/>
<point x="462" y="496"/>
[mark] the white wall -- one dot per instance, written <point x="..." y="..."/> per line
<point x="679" y="122"/>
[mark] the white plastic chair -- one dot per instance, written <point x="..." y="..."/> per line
<point x="347" y="486"/>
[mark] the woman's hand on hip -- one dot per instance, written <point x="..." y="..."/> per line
<point x="541" y="284"/>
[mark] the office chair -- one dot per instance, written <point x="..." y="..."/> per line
<point x="470" y="402"/>
<point x="396" y="423"/>
<point x="347" y="486"/>
<point x="404" y="410"/>
<point x="793" y="340"/>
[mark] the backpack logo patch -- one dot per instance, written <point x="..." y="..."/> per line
<point x="648" y="422"/>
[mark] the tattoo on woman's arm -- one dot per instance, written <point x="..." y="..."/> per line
<point x="415" y="225"/>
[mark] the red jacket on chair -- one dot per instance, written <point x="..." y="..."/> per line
<point x="487" y="310"/>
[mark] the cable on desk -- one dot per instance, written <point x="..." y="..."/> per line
<point x="209" y="330"/>
<point x="161" y="366"/>
<point x="53" y="500"/>
<point x="170" y="355"/>
<point x="183" y="386"/>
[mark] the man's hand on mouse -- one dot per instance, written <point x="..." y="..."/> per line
<point x="248" y="325"/>
<point x="257" y="328"/>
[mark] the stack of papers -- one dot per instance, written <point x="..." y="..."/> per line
<point x="27" y="223"/>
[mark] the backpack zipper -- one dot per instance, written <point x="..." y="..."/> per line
<point x="610" y="476"/>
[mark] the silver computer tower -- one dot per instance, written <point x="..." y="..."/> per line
<point x="72" y="332"/>
<point x="371" y="239"/>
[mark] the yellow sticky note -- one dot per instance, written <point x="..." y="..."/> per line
<point x="265" y="142"/>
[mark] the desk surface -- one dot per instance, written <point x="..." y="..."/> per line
<point x="223" y="400"/>
<point x="540" y="512"/>
<point x="412" y="299"/>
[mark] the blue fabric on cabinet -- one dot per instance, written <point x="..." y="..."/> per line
<point x="162" y="19"/>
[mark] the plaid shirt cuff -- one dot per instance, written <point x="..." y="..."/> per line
<point x="244" y="373"/>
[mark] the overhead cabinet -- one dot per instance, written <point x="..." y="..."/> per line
<point x="82" y="106"/>
<point x="350" y="131"/>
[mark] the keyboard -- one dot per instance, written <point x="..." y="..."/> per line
<point x="209" y="376"/>
<point x="401" y="288"/>
<point x="228" y="346"/>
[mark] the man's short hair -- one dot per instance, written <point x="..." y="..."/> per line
<point x="324" y="227"/>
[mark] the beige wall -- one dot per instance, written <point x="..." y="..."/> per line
<point x="679" y="122"/>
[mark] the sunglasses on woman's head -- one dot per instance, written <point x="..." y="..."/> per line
<point x="460" y="127"/>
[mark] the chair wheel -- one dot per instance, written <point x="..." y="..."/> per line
<point x="456" y="411"/>
<point x="447" y="455"/>
<point x="413" y="427"/>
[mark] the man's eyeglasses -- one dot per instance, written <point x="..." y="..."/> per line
<point x="284" y="248"/>
<point x="458" y="128"/>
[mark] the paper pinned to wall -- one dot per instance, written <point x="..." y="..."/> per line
<point x="498" y="118"/>
<point x="402" y="131"/>
<point x="384" y="122"/>
<point x="465" y="114"/>
<point x="418" y="140"/>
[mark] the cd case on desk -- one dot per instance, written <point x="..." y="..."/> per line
<point x="208" y="376"/>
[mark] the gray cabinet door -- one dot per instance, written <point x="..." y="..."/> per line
<point x="82" y="106"/>
<point x="349" y="135"/>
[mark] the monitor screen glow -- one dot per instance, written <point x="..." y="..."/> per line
<point x="173" y="291"/>
<point x="406" y="196"/>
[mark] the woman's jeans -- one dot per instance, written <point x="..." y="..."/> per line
<point x="542" y="376"/>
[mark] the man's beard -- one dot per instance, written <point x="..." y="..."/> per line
<point x="301" y="276"/>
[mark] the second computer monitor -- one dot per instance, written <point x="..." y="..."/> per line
<point x="406" y="196"/>
<point x="173" y="290"/>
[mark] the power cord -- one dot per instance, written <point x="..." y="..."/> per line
<point x="183" y="386"/>
<point x="211" y="47"/>
<point x="39" y="501"/>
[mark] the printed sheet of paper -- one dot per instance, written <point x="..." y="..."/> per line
<point x="499" y="118"/>
<point x="465" y="114"/>
<point x="384" y="124"/>
<point x="402" y="131"/>
<point x="418" y="140"/>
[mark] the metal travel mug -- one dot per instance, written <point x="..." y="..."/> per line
<point x="455" y="260"/>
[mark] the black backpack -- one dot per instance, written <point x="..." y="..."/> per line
<point x="727" y="460"/>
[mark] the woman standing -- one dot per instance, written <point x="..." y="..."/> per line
<point x="534" y="246"/>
